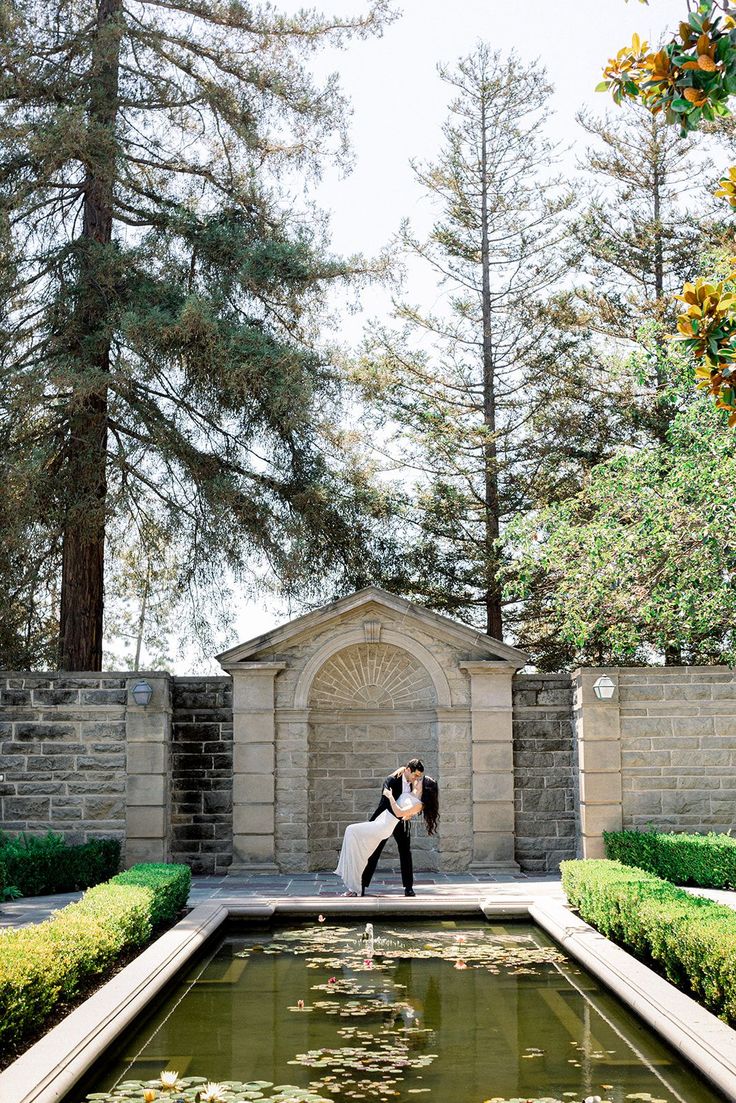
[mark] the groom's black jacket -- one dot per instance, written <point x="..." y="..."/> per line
<point x="396" y="785"/>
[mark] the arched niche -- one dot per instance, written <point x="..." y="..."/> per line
<point x="371" y="707"/>
<point x="343" y="640"/>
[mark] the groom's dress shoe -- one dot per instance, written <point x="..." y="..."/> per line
<point x="409" y="892"/>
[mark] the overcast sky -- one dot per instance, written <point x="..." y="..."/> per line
<point x="399" y="104"/>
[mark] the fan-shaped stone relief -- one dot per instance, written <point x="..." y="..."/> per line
<point x="368" y="676"/>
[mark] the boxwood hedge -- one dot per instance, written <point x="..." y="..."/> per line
<point x="54" y="961"/>
<point x="689" y="939"/>
<point x="37" y="866"/>
<point x="705" y="860"/>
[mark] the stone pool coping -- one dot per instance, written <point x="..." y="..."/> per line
<point x="47" y="1071"/>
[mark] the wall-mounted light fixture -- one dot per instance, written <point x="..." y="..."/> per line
<point x="142" y="693"/>
<point x="604" y="688"/>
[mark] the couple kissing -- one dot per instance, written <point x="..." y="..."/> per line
<point x="406" y="793"/>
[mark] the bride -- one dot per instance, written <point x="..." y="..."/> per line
<point x="361" y="839"/>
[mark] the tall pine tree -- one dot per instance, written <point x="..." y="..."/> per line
<point x="640" y="246"/>
<point x="464" y="391"/>
<point x="162" y="340"/>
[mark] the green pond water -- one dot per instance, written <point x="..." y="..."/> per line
<point x="447" y="1012"/>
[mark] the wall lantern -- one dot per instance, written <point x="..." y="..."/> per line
<point x="604" y="688"/>
<point x="142" y="693"/>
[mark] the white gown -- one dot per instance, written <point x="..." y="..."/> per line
<point x="361" y="839"/>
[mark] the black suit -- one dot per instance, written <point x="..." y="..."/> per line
<point x="401" y="834"/>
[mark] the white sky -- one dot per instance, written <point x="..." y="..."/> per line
<point x="399" y="104"/>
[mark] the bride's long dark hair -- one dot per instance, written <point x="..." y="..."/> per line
<point x="430" y="804"/>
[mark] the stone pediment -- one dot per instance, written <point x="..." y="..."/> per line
<point x="370" y="603"/>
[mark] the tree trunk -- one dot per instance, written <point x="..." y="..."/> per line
<point x="82" y="576"/>
<point x="663" y="418"/>
<point x="494" y="626"/>
<point x="142" y="619"/>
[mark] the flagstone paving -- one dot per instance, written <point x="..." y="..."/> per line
<point x="445" y="887"/>
<point x="233" y="886"/>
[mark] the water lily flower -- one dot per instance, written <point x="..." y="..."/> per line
<point x="332" y="980"/>
<point x="149" y="1095"/>
<point x="169" y="1080"/>
<point x="320" y="919"/>
<point x="460" y="965"/>
<point x="300" y="1004"/>
<point x="212" y="1093"/>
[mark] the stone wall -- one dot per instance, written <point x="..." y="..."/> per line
<point x="202" y="772"/>
<point x="63" y="754"/>
<point x="544" y="771"/>
<point x="79" y="757"/>
<point x="678" y="748"/>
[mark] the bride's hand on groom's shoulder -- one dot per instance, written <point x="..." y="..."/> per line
<point x="387" y="792"/>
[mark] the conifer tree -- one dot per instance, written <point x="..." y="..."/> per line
<point x="640" y="245"/>
<point x="448" y="381"/>
<point x="162" y="342"/>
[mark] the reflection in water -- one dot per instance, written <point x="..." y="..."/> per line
<point x="460" y="1012"/>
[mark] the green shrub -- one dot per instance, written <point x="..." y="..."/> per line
<point x="172" y="885"/>
<point x="41" y="865"/>
<point x="705" y="860"/>
<point x="689" y="939"/>
<point x="58" y="959"/>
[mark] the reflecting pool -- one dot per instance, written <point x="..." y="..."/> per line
<point x="447" y="1011"/>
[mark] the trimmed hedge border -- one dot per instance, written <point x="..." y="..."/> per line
<point x="42" y="870"/>
<point x="59" y="958"/>
<point x="689" y="939"/>
<point x="708" y="861"/>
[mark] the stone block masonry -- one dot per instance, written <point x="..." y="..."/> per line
<point x="544" y="771"/>
<point x="263" y="768"/>
<point x="678" y="748"/>
<point x="202" y="773"/>
<point x="63" y="754"/>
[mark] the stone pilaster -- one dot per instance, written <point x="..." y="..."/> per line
<point x="492" y="763"/>
<point x="597" y="728"/>
<point x="254" y="764"/>
<point x="148" y="790"/>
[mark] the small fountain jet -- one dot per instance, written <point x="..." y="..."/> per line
<point x="367" y="937"/>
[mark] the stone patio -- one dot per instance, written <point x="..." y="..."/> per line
<point x="443" y="887"/>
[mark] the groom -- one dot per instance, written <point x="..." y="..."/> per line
<point x="399" y="783"/>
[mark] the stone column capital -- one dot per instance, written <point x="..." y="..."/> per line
<point x="262" y="668"/>
<point x="489" y="666"/>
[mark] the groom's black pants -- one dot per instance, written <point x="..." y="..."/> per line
<point x="407" y="866"/>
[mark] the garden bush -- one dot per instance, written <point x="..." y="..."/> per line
<point x="689" y="939"/>
<point x="169" y="885"/>
<point x="705" y="860"/>
<point x="57" y="960"/>
<point x="45" y="864"/>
